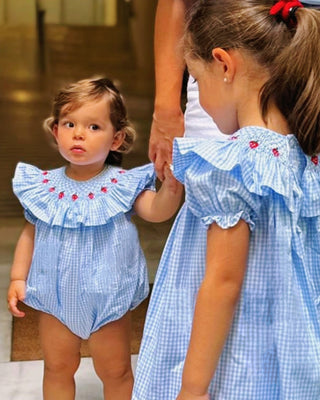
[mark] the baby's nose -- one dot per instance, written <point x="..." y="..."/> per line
<point x="78" y="133"/>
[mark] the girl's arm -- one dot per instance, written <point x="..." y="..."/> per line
<point x="20" y="268"/>
<point x="160" y="206"/>
<point x="227" y="251"/>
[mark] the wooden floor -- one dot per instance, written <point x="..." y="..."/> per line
<point x="31" y="70"/>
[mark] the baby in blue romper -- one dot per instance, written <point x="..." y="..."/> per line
<point x="78" y="260"/>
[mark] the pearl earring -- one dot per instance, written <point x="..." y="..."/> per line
<point x="225" y="79"/>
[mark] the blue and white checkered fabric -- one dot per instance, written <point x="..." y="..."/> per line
<point x="273" y="349"/>
<point x="88" y="268"/>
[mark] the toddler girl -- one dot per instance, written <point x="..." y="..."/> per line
<point x="78" y="260"/>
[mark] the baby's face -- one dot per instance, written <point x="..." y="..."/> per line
<point x="85" y="135"/>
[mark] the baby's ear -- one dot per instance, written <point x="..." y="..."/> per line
<point x="118" y="139"/>
<point x="55" y="131"/>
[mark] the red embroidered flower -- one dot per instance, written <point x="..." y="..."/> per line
<point x="74" y="197"/>
<point x="45" y="173"/>
<point x="104" y="189"/>
<point x="122" y="171"/>
<point x="253" y="144"/>
<point x="52" y="189"/>
<point x="233" y="137"/>
<point x="45" y="181"/>
<point x="61" y="195"/>
<point x="315" y="160"/>
<point x="275" y="152"/>
<point x="114" y="180"/>
<point x="91" y="195"/>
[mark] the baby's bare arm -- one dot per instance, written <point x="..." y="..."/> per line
<point x="20" y="268"/>
<point x="160" y="206"/>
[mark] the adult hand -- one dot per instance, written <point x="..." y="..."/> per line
<point x="163" y="130"/>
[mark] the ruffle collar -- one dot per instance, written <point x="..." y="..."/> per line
<point x="58" y="200"/>
<point x="263" y="158"/>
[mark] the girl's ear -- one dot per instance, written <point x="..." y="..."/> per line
<point x="226" y="63"/>
<point x="118" y="139"/>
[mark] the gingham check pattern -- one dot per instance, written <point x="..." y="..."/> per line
<point x="273" y="348"/>
<point x="88" y="268"/>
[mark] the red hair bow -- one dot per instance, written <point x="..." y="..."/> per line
<point x="285" y="10"/>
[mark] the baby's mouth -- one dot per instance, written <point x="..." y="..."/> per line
<point x="77" y="149"/>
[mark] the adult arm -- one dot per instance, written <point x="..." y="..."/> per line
<point x="227" y="251"/>
<point x="20" y="268"/>
<point x="168" y="120"/>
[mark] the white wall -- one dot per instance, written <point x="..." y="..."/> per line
<point x="2" y="15"/>
<point x="18" y="12"/>
<point x="69" y="12"/>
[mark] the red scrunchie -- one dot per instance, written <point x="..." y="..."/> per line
<point x="283" y="9"/>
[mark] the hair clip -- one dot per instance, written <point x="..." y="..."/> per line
<point x="285" y="11"/>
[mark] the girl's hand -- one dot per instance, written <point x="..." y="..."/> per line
<point x="16" y="292"/>
<point x="185" y="395"/>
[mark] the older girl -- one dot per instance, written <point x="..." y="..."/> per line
<point x="238" y="318"/>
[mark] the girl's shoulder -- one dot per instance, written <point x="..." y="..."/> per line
<point x="56" y="199"/>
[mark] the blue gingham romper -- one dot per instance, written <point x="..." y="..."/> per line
<point x="273" y="348"/>
<point x="88" y="268"/>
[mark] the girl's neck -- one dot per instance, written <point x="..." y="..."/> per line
<point x="83" y="172"/>
<point x="274" y="120"/>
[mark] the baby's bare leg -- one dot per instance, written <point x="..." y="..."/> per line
<point x="61" y="351"/>
<point x="110" y="351"/>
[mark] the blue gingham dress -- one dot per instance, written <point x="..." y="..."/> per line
<point x="273" y="348"/>
<point x="88" y="268"/>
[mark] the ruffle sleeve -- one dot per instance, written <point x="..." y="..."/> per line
<point x="60" y="201"/>
<point x="226" y="180"/>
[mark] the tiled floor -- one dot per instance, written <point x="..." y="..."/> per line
<point x="28" y="76"/>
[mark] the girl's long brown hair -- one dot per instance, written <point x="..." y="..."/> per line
<point x="291" y="55"/>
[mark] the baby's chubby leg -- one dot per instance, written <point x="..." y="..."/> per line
<point x="110" y="351"/>
<point x="61" y="351"/>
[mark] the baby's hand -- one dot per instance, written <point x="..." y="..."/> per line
<point x="16" y="292"/>
<point x="170" y="181"/>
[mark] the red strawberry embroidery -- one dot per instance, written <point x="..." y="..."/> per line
<point x="114" y="180"/>
<point x="233" y="137"/>
<point x="45" y="173"/>
<point x="74" y="197"/>
<point x="45" y="181"/>
<point x="52" y="189"/>
<point x="61" y="195"/>
<point x="315" y="160"/>
<point x="122" y="171"/>
<point x="253" y="144"/>
<point x="104" y="189"/>
<point x="91" y="195"/>
<point x="275" y="152"/>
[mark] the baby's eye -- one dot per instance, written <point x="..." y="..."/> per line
<point x="69" y="124"/>
<point x="94" y="127"/>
